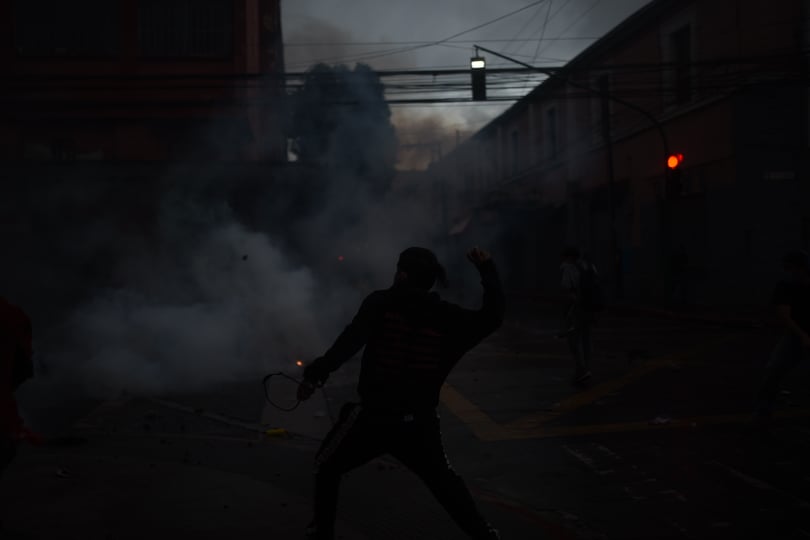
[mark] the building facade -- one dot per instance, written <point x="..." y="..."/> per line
<point x="141" y="80"/>
<point x="120" y="116"/>
<point x="582" y="159"/>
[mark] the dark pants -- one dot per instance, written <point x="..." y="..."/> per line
<point x="8" y="449"/>
<point x="360" y="436"/>
<point x="785" y="356"/>
<point x="578" y="323"/>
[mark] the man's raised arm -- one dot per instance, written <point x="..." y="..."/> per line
<point x="471" y="326"/>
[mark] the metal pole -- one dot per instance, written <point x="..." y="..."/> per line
<point x="615" y="255"/>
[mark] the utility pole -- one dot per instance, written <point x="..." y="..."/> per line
<point x="615" y="253"/>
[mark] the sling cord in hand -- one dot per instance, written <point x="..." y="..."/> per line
<point x="266" y="380"/>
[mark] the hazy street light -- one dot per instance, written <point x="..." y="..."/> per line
<point x="478" y="62"/>
<point x="478" y="73"/>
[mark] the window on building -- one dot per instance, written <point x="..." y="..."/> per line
<point x="62" y="28"/>
<point x="186" y="28"/>
<point x="681" y="47"/>
<point x="551" y="133"/>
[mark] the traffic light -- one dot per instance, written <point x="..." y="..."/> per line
<point x="674" y="181"/>
<point x="478" y="73"/>
<point x="674" y="161"/>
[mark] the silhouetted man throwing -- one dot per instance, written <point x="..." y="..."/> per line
<point x="412" y="341"/>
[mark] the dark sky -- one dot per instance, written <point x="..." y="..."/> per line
<point x="345" y="31"/>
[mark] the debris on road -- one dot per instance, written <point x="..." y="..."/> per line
<point x="276" y="432"/>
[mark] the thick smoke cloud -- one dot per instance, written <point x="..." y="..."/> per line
<point x="231" y="307"/>
<point x="306" y="37"/>
<point x="181" y="299"/>
<point x="173" y="286"/>
<point x="311" y="40"/>
<point x="424" y="138"/>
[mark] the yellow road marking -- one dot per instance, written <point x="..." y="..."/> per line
<point x="587" y="397"/>
<point x="484" y="427"/>
<point x="694" y="422"/>
<point x="533" y="425"/>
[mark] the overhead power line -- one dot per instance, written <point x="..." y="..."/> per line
<point x="571" y="25"/>
<point x="788" y="57"/>
<point x="371" y="56"/>
<point x="543" y="31"/>
<point x="515" y="40"/>
<point x="429" y="42"/>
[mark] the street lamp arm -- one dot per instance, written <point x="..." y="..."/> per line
<point x="555" y="73"/>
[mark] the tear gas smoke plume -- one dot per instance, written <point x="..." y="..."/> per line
<point x="232" y="308"/>
<point x="426" y="138"/>
<point x="183" y="292"/>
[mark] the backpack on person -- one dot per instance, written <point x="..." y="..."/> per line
<point x="590" y="287"/>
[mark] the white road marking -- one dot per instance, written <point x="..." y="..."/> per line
<point x="757" y="483"/>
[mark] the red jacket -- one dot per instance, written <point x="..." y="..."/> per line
<point x="16" y="363"/>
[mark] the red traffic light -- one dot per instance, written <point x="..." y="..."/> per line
<point x="674" y="160"/>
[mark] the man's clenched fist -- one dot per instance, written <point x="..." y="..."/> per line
<point x="305" y="390"/>
<point x="478" y="256"/>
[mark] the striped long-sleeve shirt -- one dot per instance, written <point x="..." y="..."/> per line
<point x="412" y="340"/>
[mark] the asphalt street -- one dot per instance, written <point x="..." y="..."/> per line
<point x="659" y="445"/>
